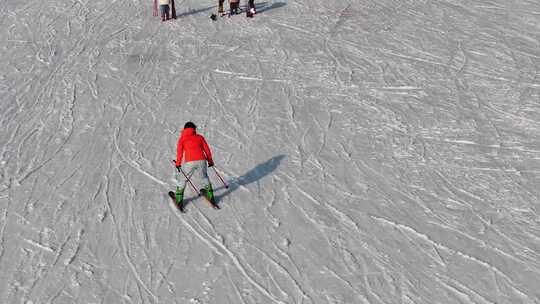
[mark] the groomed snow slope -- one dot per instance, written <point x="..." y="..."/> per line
<point x="378" y="152"/>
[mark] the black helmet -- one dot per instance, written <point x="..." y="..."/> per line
<point x="189" y="124"/>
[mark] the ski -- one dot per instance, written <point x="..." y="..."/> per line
<point x="203" y="193"/>
<point x="179" y="206"/>
<point x="211" y="201"/>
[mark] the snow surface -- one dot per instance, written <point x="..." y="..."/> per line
<point x="378" y="152"/>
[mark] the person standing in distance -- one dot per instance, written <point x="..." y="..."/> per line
<point x="164" y="9"/>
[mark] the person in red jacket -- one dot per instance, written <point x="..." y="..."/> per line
<point x="193" y="149"/>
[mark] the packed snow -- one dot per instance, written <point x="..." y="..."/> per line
<point x="377" y="152"/>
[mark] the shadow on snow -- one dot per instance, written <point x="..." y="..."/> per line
<point x="195" y="11"/>
<point x="253" y="175"/>
<point x="260" y="7"/>
<point x="270" y="7"/>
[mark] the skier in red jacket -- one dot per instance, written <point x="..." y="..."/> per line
<point x="193" y="148"/>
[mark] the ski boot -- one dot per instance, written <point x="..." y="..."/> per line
<point x="178" y="198"/>
<point x="208" y="192"/>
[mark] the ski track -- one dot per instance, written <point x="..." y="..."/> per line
<point x="376" y="151"/>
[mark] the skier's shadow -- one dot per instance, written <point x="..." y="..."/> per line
<point x="195" y="11"/>
<point x="253" y="175"/>
<point x="264" y="7"/>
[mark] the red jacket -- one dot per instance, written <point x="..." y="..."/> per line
<point x="194" y="146"/>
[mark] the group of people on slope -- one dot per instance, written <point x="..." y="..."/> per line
<point x="166" y="6"/>
<point x="234" y="7"/>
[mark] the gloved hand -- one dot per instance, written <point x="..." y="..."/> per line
<point x="210" y="163"/>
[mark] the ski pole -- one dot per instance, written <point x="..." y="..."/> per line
<point x="187" y="178"/>
<point x="212" y="203"/>
<point x="224" y="184"/>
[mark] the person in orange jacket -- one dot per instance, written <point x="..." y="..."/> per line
<point x="193" y="149"/>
